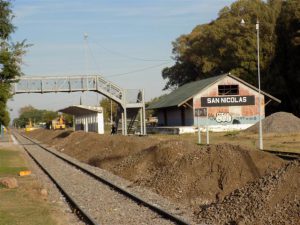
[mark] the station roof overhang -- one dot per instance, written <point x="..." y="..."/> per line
<point x="81" y="110"/>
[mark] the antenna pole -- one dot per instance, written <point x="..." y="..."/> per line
<point x="85" y="36"/>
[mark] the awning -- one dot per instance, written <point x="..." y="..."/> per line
<point x="81" y="110"/>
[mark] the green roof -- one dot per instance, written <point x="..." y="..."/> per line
<point x="183" y="93"/>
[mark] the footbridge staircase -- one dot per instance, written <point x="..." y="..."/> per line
<point x="131" y="102"/>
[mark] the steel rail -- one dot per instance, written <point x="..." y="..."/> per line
<point x="80" y="213"/>
<point x="285" y="155"/>
<point x="165" y="214"/>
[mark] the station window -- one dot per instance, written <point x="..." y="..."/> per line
<point x="228" y="89"/>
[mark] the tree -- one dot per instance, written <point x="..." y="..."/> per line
<point x="35" y="115"/>
<point x="27" y="108"/>
<point x="152" y="112"/>
<point x="10" y="58"/>
<point x="68" y="119"/>
<point x="285" y="70"/>
<point x="223" y="45"/>
<point x="105" y="103"/>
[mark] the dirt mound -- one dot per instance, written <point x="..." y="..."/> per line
<point x="97" y="150"/>
<point x="281" y="122"/>
<point x="272" y="199"/>
<point x="179" y="170"/>
<point x="193" y="175"/>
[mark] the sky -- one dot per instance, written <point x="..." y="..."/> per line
<point x="128" y="42"/>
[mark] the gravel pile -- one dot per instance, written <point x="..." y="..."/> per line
<point x="273" y="199"/>
<point x="280" y="122"/>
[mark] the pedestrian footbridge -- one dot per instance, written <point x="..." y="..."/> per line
<point x="131" y="101"/>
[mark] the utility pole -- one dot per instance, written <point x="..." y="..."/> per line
<point x="259" y="89"/>
<point x="261" y="146"/>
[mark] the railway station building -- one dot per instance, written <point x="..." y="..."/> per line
<point x="86" y="118"/>
<point x="222" y="103"/>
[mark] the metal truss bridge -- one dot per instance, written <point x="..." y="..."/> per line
<point x="130" y="101"/>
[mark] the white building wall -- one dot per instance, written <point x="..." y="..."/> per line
<point x="90" y="123"/>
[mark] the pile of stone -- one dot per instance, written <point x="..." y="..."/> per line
<point x="280" y="122"/>
<point x="9" y="182"/>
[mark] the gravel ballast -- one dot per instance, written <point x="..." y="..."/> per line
<point x="103" y="204"/>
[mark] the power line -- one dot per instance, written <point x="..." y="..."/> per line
<point x="93" y="56"/>
<point x="138" y="70"/>
<point x="128" y="56"/>
<point x="126" y="73"/>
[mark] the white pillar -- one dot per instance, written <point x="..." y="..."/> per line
<point x="100" y="122"/>
<point x="141" y="118"/>
<point x="86" y="129"/>
<point x="125" y="121"/>
<point x="144" y="114"/>
<point x="122" y="115"/>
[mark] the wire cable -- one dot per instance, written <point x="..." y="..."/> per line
<point x="138" y="70"/>
<point x="93" y="56"/>
<point x="129" y="72"/>
<point x="128" y="56"/>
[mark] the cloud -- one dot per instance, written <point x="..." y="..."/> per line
<point x="69" y="11"/>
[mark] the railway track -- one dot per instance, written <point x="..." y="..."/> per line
<point x="95" y="199"/>
<point x="285" y="155"/>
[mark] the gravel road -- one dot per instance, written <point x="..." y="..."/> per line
<point x="103" y="204"/>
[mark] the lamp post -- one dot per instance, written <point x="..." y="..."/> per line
<point x="259" y="89"/>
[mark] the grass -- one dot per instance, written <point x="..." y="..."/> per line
<point x="10" y="163"/>
<point x="23" y="205"/>
<point x="231" y="133"/>
<point x="19" y="208"/>
<point x="276" y="142"/>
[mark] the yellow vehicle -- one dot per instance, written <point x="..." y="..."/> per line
<point x="29" y="126"/>
<point x="59" y="124"/>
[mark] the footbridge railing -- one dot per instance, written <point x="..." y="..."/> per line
<point x="69" y="84"/>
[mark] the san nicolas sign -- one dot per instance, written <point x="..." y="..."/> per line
<point x="227" y="101"/>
